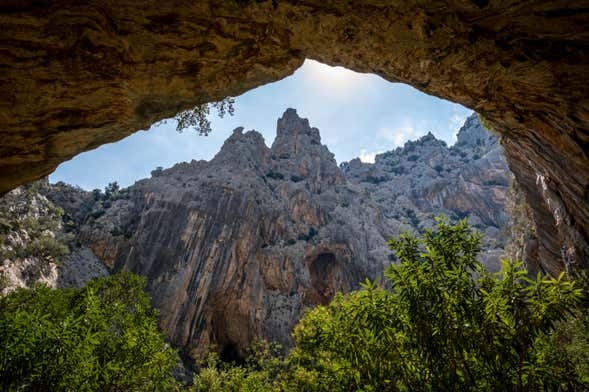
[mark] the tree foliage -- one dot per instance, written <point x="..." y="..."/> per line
<point x="103" y="337"/>
<point x="197" y="117"/>
<point x="112" y="191"/>
<point x="439" y="322"/>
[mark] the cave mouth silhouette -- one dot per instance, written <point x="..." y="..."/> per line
<point x="230" y="354"/>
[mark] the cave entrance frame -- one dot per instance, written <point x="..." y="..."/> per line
<point x="76" y="76"/>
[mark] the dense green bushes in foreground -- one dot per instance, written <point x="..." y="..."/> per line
<point x="439" y="327"/>
<point x="441" y="323"/>
<point x="100" y="338"/>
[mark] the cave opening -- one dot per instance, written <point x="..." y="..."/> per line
<point x="499" y="59"/>
<point x="322" y="272"/>
<point x="230" y="354"/>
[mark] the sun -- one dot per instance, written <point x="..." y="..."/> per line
<point x="338" y="79"/>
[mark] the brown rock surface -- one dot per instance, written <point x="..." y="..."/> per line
<point x="75" y="75"/>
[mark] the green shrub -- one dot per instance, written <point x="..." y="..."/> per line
<point x="263" y="371"/>
<point x="441" y="328"/>
<point x="103" y="337"/>
<point x="5" y="225"/>
<point x="46" y="247"/>
<point x="112" y="191"/>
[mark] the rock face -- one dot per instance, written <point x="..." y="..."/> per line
<point x="77" y="75"/>
<point x="234" y="249"/>
<point x="35" y="247"/>
<point x="426" y="178"/>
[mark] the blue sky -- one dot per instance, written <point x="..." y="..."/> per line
<point x="358" y="115"/>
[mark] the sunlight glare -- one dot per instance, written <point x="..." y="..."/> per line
<point x="334" y="78"/>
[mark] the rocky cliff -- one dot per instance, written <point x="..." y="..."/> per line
<point x="235" y="248"/>
<point x="37" y="245"/>
<point x="426" y="178"/>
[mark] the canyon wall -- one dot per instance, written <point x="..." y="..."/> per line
<point x="236" y="248"/>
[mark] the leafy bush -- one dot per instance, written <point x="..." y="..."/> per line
<point x="97" y="213"/>
<point x="103" y="337"/>
<point x="46" y="247"/>
<point x="262" y="372"/>
<point x="441" y="328"/>
<point x="112" y="191"/>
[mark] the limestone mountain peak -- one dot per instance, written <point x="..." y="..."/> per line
<point x="473" y="134"/>
<point x="292" y="130"/>
<point x="242" y="146"/>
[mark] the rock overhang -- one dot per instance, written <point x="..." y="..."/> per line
<point x="77" y="76"/>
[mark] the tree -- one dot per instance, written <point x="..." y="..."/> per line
<point x="103" y="337"/>
<point x="444" y="324"/>
<point x="197" y="117"/>
<point x="112" y="190"/>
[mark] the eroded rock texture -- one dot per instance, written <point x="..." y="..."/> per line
<point x="425" y="179"/>
<point x="75" y="75"/>
<point x="36" y="244"/>
<point x="235" y="248"/>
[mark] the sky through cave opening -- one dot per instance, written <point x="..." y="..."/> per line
<point x="358" y="115"/>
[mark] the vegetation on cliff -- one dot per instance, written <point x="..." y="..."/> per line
<point x="32" y="239"/>
<point x="440" y="321"/>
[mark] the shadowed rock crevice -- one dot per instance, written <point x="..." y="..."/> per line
<point x="323" y="271"/>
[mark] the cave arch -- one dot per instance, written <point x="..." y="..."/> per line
<point x="75" y="75"/>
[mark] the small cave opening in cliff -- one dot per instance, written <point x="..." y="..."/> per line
<point x="230" y="353"/>
<point x="322" y="272"/>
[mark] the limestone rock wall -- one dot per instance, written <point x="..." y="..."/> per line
<point x="234" y="249"/>
<point x="426" y="178"/>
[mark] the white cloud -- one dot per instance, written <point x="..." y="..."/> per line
<point x="399" y="135"/>
<point x="369" y="157"/>
<point x="456" y="121"/>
